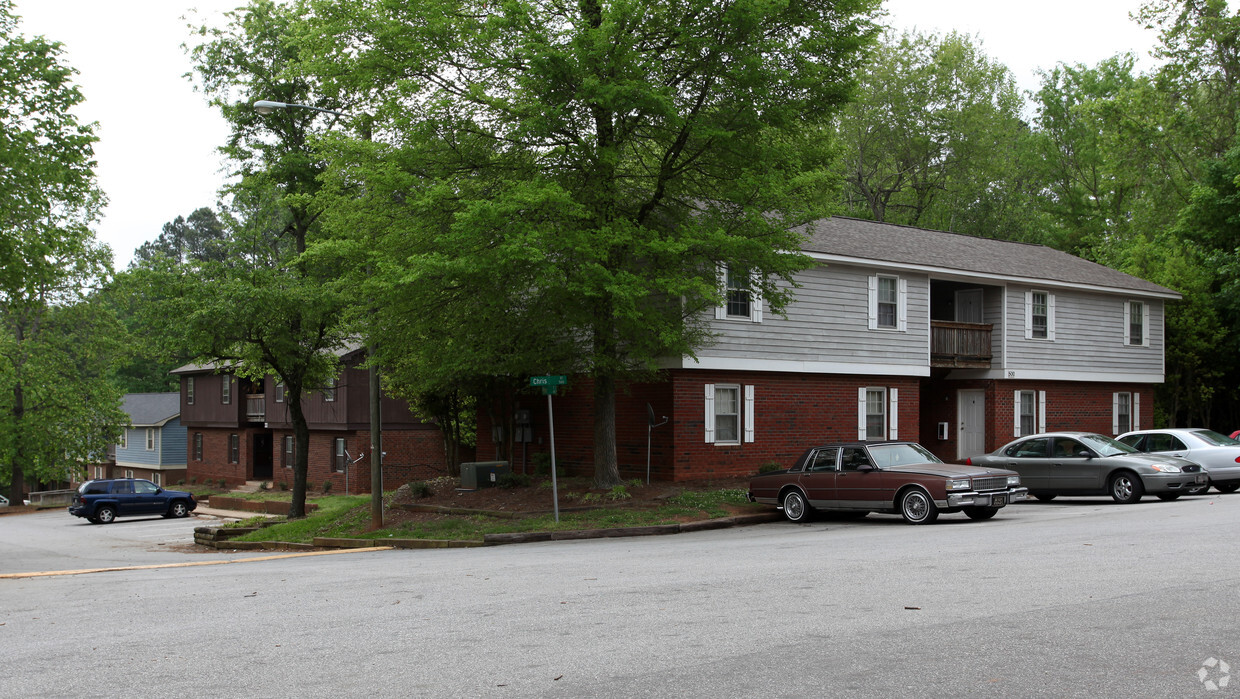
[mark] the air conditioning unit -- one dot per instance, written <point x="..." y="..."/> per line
<point x="942" y="430"/>
<point x="482" y="474"/>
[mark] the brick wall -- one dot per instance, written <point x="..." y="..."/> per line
<point x="411" y="455"/>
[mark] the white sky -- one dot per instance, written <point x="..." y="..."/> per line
<point x="158" y="137"/>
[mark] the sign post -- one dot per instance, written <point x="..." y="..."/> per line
<point x="549" y="384"/>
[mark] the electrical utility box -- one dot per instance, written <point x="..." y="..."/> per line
<point x="482" y="474"/>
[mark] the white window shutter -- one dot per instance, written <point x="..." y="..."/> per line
<point x="1127" y="322"/>
<point x="1041" y="411"/>
<point x="1136" y="411"/>
<point x="749" y="417"/>
<point x="1016" y="416"/>
<point x="902" y="307"/>
<point x="893" y="413"/>
<point x="873" y="303"/>
<point x="710" y="413"/>
<point x="1145" y="326"/>
<point x="1050" y="316"/>
<point x="1114" y="413"/>
<point x="861" y="413"/>
<point x="755" y="300"/>
<point x="721" y="311"/>
<point x="1028" y="314"/>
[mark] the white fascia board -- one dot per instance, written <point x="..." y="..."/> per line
<point x="797" y="367"/>
<point x="945" y="274"/>
<point x="1052" y="375"/>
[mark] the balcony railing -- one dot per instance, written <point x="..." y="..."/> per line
<point x="960" y="345"/>
<point x="256" y="407"/>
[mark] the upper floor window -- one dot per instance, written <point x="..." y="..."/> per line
<point x="1039" y="315"/>
<point x="279" y="391"/>
<point x="729" y="413"/>
<point x="1030" y="412"/>
<point x="150" y="439"/>
<point x="226" y="389"/>
<point x="189" y="390"/>
<point x="888" y="302"/>
<point x="1136" y="322"/>
<point x="877" y="413"/>
<point x="124" y="441"/>
<point x="741" y="300"/>
<point x="329" y="392"/>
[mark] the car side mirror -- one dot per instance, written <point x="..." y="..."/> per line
<point x="865" y="468"/>
<point x="158" y="491"/>
<point x="1085" y="454"/>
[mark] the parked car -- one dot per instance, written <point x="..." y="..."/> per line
<point x="1235" y="435"/>
<point x="1218" y="454"/>
<point x="890" y="477"/>
<point x="102" y="501"/>
<point x="1083" y="463"/>
<point x="4" y="502"/>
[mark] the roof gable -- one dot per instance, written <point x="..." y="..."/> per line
<point x="151" y="409"/>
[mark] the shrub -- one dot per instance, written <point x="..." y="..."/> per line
<point x="770" y="466"/>
<point x="618" y="493"/>
<point x="513" y="480"/>
<point x="327" y="487"/>
<point x="635" y="483"/>
<point x="181" y="481"/>
<point x="266" y="485"/>
<point x="420" y="489"/>
<point x="223" y="482"/>
<point x="283" y="485"/>
<point x="590" y="498"/>
<point x="193" y="481"/>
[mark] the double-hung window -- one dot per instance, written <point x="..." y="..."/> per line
<point x="279" y="389"/>
<point x="329" y="392"/>
<point x="1136" y="323"/>
<point x="1039" y="315"/>
<point x="226" y="389"/>
<point x="234" y="449"/>
<point x="1030" y="408"/>
<point x="1125" y="412"/>
<point x="340" y="458"/>
<point x="741" y="300"/>
<point x="189" y="390"/>
<point x="124" y="441"/>
<point x="150" y="439"/>
<point x="878" y="413"/>
<point x="197" y="446"/>
<point x="289" y="451"/>
<point x="888" y="301"/>
<point x="729" y="413"/>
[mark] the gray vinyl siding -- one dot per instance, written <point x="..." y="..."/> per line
<point x="829" y="323"/>
<point x="135" y="452"/>
<point x="1089" y="335"/>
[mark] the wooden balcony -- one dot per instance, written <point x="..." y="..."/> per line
<point x="256" y="407"/>
<point x="960" y="345"/>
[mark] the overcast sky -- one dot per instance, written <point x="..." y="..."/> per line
<point x="158" y="138"/>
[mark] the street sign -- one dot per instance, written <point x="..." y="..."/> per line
<point x="545" y="381"/>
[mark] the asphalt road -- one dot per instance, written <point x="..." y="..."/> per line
<point x="1072" y="598"/>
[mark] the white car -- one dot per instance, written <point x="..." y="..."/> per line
<point x="1218" y="454"/>
<point x="4" y="502"/>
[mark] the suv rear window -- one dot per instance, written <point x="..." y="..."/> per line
<point x="95" y="488"/>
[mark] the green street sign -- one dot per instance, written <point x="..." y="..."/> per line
<point x="548" y="381"/>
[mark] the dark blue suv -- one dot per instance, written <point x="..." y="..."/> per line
<point x="105" y="500"/>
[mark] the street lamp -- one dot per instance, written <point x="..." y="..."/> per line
<point x="376" y="422"/>
<point x="267" y="107"/>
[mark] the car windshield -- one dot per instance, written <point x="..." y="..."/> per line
<point x="1105" y="445"/>
<point x="901" y="454"/>
<point x="1214" y="438"/>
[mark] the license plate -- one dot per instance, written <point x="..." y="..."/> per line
<point x="998" y="500"/>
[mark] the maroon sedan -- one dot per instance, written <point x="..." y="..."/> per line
<point x="891" y="477"/>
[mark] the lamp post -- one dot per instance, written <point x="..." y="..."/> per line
<point x="376" y="422"/>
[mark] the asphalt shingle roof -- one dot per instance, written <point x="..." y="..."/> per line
<point x="953" y="252"/>
<point x="151" y="409"/>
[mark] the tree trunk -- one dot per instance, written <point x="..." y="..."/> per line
<point x="301" y="441"/>
<point x="606" y="466"/>
<point x="17" y="485"/>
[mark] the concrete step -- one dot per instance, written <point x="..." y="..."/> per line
<point x="249" y="487"/>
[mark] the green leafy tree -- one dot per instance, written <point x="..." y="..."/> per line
<point x="252" y="302"/>
<point x="555" y="185"/>
<point x="201" y="236"/>
<point x="934" y="139"/>
<point x="57" y="404"/>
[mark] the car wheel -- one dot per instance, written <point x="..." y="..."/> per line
<point x="1227" y="487"/>
<point x="1044" y="497"/>
<point x="1125" y="487"/>
<point x="916" y="507"/>
<point x="796" y="509"/>
<point x="105" y="515"/>
<point x="980" y="513"/>
<point x="1169" y="496"/>
<point x="178" y="509"/>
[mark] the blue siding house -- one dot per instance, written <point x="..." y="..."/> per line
<point x="154" y="446"/>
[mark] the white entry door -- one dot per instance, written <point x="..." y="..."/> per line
<point x="971" y="430"/>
